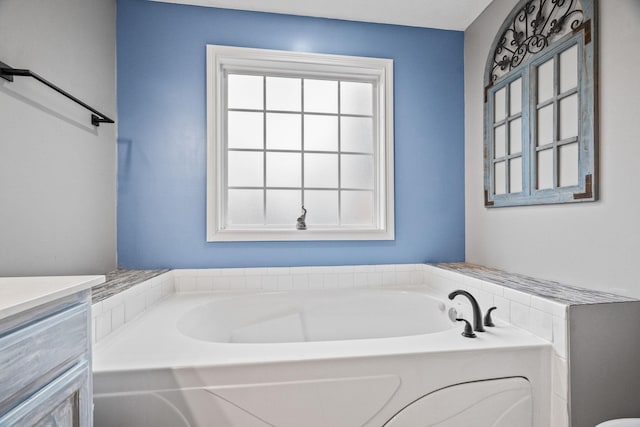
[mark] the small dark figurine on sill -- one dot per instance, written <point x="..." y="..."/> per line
<point x="300" y="222"/>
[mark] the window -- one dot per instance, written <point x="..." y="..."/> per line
<point x="288" y="130"/>
<point x="539" y="106"/>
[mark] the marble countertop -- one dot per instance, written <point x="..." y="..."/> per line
<point x="549" y="289"/>
<point x="18" y="294"/>
<point x="122" y="279"/>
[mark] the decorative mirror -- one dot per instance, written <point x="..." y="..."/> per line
<point x="539" y="106"/>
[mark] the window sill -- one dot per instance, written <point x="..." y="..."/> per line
<point x="298" y="235"/>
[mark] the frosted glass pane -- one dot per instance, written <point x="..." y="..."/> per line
<point x="515" y="175"/>
<point x="356" y="134"/>
<point x="499" y="178"/>
<point x="322" y="207"/>
<point x="356" y="171"/>
<point x="245" y="207"/>
<point x="515" y="136"/>
<point x="283" y="207"/>
<point x="284" y="170"/>
<point x="284" y="94"/>
<point x="499" y="105"/>
<point x="244" y="169"/>
<point x="356" y="98"/>
<point x="320" y="96"/>
<point x="284" y="131"/>
<point x="545" y="169"/>
<point x="569" y="117"/>
<point x="515" y="99"/>
<point x="545" y="125"/>
<point x="245" y="130"/>
<point x="320" y="133"/>
<point x="569" y="69"/>
<point x="321" y="170"/>
<point x="499" y="142"/>
<point x="568" y="173"/>
<point x="244" y="91"/>
<point x="545" y="81"/>
<point x="357" y="208"/>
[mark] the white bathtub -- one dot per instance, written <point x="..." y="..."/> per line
<point x="334" y="358"/>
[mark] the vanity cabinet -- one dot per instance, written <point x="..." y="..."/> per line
<point x="45" y="363"/>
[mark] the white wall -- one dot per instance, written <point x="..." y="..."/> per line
<point x="57" y="172"/>
<point x="594" y="245"/>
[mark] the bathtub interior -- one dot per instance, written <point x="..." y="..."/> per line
<point x="303" y="316"/>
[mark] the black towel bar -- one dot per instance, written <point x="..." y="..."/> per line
<point x="7" y="73"/>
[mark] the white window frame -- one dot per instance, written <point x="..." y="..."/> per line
<point x="228" y="58"/>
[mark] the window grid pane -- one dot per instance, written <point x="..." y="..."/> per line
<point x="507" y="138"/>
<point x="282" y="140"/>
<point x="555" y="109"/>
<point x="557" y="123"/>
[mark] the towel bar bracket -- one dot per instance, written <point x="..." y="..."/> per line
<point x="4" y="74"/>
<point x="7" y="73"/>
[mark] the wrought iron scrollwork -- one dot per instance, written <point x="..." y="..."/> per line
<point x="535" y="27"/>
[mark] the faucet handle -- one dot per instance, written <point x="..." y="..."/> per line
<point x="468" y="330"/>
<point x="488" y="321"/>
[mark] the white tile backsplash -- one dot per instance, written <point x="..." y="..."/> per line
<point x="554" y="308"/>
<point x="389" y="278"/>
<point x="541" y="324"/>
<point x="205" y="283"/>
<point x="185" y="283"/>
<point x="113" y="312"/>
<point x="520" y="315"/>
<point x="111" y="302"/>
<point x="269" y="283"/>
<point x="117" y="317"/>
<point x="374" y="279"/>
<point x="403" y="277"/>
<point x="315" y="281"/>
<point x="503" y="310"/>
<point x="284" y="282"/>
<point x="330" y="281"/>
<point x="103" y="324"/>
<point x="517" y="296"/>
<point x="253" y="282"/>
<point x="346" y="280"/>
<point x="560" y="336"/>
<point x="559" y="376"/>
<point x="235" y="282"/>
<point x="492" y="288"/>
<point x="134" y="304"/>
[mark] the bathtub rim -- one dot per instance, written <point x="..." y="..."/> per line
<point x="123" y="351"/>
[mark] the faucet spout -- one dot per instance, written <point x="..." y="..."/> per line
<point x="477" y="313"/>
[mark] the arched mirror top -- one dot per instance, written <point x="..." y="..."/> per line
<point x="531" y="27"/>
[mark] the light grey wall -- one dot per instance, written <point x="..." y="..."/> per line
<point x="604" y="378"/>
<point x="57" y="172"/>
<point x="594" y="245"/>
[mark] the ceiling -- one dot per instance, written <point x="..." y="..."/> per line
<point x="445" y="14"/>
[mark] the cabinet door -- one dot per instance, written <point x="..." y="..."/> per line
<point x="64" y="402"/>
<point x="65" y="415"/>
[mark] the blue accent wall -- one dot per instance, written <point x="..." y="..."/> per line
<point x="162" y="135"/>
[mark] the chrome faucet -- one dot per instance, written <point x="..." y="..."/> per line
<point x="477" y="314"/>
